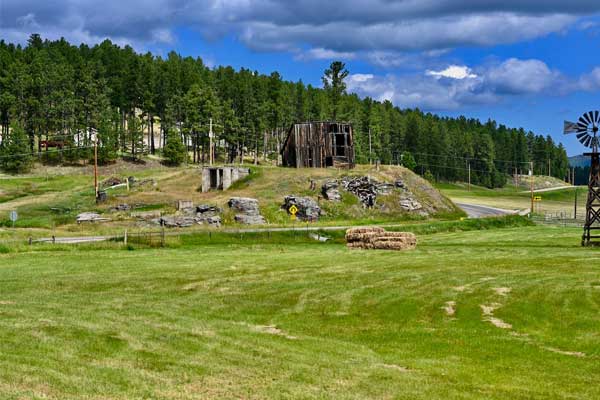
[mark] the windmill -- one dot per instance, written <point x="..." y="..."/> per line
<point x="586" y="131"/>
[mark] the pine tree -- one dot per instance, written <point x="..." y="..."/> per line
<point x="14" y="152"/>
<point x="174" y="151"/>
<point x="333" y="82"/>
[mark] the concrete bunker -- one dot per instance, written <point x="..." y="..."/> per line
<point x="221" y="178"/>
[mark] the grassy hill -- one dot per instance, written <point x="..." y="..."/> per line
<point x="50" y="198"/>
<point x="518" y="198"/>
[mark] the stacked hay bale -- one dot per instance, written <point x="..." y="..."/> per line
<point x="379" y="238"/>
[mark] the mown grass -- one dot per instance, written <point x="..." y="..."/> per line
<point x="305" y="320"/>
<point x="510" y="197"/>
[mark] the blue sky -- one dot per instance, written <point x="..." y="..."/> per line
<point x="527" y="64"/>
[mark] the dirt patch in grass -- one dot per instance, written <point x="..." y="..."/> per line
<point x="502" y="291"/>
<point x="488" y="312"/>
<point x="271" y="330"/>
<point x="450" y="308"/>
<point x="462" y="288"/>
<point x="394" y="367"/>
<point x="565" y="353"/>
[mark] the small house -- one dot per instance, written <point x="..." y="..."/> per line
<point x="319" y="145"/>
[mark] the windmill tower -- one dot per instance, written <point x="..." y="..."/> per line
<point x="586" y="131"/>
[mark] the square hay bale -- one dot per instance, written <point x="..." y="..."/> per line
<point x="379" y="238"/>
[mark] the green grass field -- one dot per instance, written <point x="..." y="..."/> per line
<point x="497" y="314"/>
<point x="512" y="198"/>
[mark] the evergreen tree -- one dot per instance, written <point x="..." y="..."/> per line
<point x="174" y="151"/>
<point x="14" y="152"/>
<point x="333" y="82"/>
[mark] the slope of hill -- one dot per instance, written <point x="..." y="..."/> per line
<point x="56" y="199"/>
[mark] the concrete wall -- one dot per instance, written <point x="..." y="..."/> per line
<point x="225" y="177"/>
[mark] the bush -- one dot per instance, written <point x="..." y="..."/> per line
<point x="429" y="176"/>
<point x="174" y="151"/>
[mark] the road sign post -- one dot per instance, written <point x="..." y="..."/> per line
<point x="293" y="211"/>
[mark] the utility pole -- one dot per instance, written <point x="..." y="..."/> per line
<point x="549" y="174"/>
<point x="575" y="205"/>
<point x="531" y="183"/>
<point x="95" y="139"/>
<point x="210" y="142"/>
<point x="469" y="167"/>
<point x="370" y="149"/>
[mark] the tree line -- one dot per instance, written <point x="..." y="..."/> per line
<point x="57" y="98"/>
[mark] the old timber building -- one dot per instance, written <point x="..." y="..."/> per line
<point x="319" y="145"/>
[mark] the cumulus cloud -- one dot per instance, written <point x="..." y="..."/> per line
<point x="457" y="86"/>
<point x="345" y="27"/>
<point x="453" y="72"/>
<point x="324" y="54"/>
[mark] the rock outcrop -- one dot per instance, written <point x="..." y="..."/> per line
<point x="199" y="215"/>
<point x="308" y="209"/>
<point x="247" y="210"/>
<point x="331" y="191"/>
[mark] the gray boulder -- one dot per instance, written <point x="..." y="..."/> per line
<point x="409" y="203"/>
<point x="244" y="205"/>
<point x="330" y="191"/>
<point x="247" y="210"/>
<point x="308" y="209"/>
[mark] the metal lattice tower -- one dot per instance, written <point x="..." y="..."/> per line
<point x="586" y="130"/>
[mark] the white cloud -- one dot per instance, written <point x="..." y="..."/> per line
<point x="458" y="86"/>
<point x="324" y="54"/>
<point x="379" y="29"/>
<point x="453" y="72"/>
<point x="516" y="76"/>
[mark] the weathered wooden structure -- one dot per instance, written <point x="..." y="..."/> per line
<point x="319" y="145"/>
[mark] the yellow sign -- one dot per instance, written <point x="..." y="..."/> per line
<point x="293" y="210"/>
<point x="537" y="198"/>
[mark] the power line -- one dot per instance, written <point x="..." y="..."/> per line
<point x="40" y="153"/>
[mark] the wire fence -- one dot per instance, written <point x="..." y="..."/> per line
<point x="565" y="219"/>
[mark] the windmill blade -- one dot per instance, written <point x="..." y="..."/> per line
<point x="582" y="121"/>
<point x="586" y="117"/>
<point x="570" y="127"/>
<point x="581" y="135"/>
<point x="590" y="116"/>
<point x="597" y="117"/>
<point x="587" y="141"/>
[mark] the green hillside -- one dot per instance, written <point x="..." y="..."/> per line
<point x="51" y="198"/>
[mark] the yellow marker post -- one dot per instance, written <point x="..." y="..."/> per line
<point x="293" y="211"/>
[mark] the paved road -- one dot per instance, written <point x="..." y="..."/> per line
<point x="479" y="211"/>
